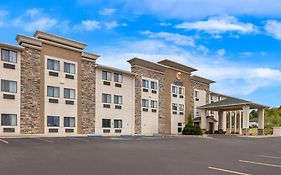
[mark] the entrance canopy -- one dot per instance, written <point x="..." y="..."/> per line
<point x="231" y="104"/>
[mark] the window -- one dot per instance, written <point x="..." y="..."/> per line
<point x="118" y="99"/>
<point x="145" y="103"/>
<point x="196" y="94"/>
<point x="212" y="112"/>
<point x="53" y="65"/>
<point x="211" y="97"/>
<point x="8" y="119"/>
<point x="53" y="121"/>
<point x="174" y="89"/>
<point x="8" y="86"/>
<point x="219" y="98"/>
<point x="145" y="83"/>
<point x="153" y="85"/>
<point x="69" y="122"/>
<point x="197" y="112"/>
<point x="69" y="68"/>
<point x="153" y="104"/>
<point x="106" y="98"/>
<point x="118" y="78"/>
<point x="181" y="107"/>
<point x="106" y="75"/>
<point x="53" y="91"/>
<point x="69" y="93"/>
<point x="9" y="56"/>
<point x="181" y="90"/>
<point x="117" y="123"/>
<point x="106" y="123"/>
<point x="174" y="107"/>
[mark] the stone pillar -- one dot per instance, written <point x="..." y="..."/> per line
<point x="220" y="114"/>
<point x="240" y="127"/>
<point x="224" y="121"/>
<point x="246" y="112"/>
<point x="203" y="124"/>
<point x="261" y="122"/>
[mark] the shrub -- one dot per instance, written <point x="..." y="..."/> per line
<point x="191" y="128"/>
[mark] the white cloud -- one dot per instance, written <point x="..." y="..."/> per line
<point x="221" y="24"/>
<point x="32" y="12"/>
<point x="220" y="52"/>
<point x="273" y="28"/>
<point x="174" y="38"/>
<point x="88" y="25"/>
<point x="165" y="24"/>
<point x="107" y="11"/>
<point x="113" y="24"/>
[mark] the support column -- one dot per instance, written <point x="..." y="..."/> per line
<point x="235" y="122"/>
<point x="246" y="112"/>
<point x="224" y="121"/>
<point x="240" y="127"/>
<point x="230" y="122"/>
<point x="203" y="124"/>
<point x="261" y="122"/>
<point x="220" y="114"/>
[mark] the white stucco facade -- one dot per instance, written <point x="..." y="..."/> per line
<point x="177" y="116"/>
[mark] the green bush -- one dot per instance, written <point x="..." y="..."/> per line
<point x="191" y="128"/>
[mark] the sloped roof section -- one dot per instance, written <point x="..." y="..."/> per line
<point x="231" y="103"/>
<point x="201" y="79"/>
<point x="176" y="65"/>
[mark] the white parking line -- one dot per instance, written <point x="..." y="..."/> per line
<point x="45" y="140"/>
<point x="260" y="163"/>
<point x="228" y="171"/>
<point x="272" y="157"/>
<point x="79" y="139"/>
<point x="4" y="141"/>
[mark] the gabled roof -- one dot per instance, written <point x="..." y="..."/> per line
<point x="176" y="65"/>
<point x="147" y="64"/>
<point x="201" y="79"/>
<point x="231" y="103"/>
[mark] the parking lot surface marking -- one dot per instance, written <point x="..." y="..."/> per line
<point x="228" y="171"/>
<point x="260" y="163"/>
<point x="272" y="157"/>
<point x="79" y="139"/>
<point x="4" y="141"/>
<point x="45" y="140"/>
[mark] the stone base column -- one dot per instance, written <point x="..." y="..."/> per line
<point x="260" y="131"/>
<point x="245" y="131"/>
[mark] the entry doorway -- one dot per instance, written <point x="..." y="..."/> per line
<point x="211" y="127"/>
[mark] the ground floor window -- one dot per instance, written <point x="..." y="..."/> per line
<point x="69" y="121"/>
<point x="179" y="127"/>
<point x="117" y="123"/>
<point x="53" y="121"/>
<point x="106" y="123"/>
<point x="8" y="119"/>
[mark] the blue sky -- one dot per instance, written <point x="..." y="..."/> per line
<point x="236" y="43"/>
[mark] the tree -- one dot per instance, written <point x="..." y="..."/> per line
<point x="191" y="128"/>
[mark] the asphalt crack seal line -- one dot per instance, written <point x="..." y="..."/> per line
<point x="228" y="171"/>
<point x="260" y="163"/>
<point x="4" y="141"/>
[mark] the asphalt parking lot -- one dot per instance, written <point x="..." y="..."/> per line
<point x="217" y="155"/>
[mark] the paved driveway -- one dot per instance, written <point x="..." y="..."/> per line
<point x="139" y="156"/>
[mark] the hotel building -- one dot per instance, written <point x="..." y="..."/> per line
<point x="51" y="86"/>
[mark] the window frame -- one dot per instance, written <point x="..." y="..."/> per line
<point x="145" y="83"/>
<point x="117" y="123"/>
<point x="10" y="60"/>
<point x="53" y="67"/>
<point x="9" y="121"/>
<point x="153" y="104"/>
<point x="3" y="88"/>
<point x="153" y="86"/>
<point x="70" y="90"/>
<point x="118" y="77"/>
<point x="108" y="122"/>
<point x="106" y="75"/>
<point x="106" y="95"/>
<point x="117" y="98"/>
<point x="142" y="103"/>
<point x="53" y="121"/>
<point x="53" y="91"/>
<point x="65" y="123"/>
<point x="65" y="64"/>
<point x="174" y="105"/>
<point x="174" y="88"/>
<point x="181" y="107"/>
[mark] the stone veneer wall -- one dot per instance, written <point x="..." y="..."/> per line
<point x="88" y="100"/>
<point x="30" y="91"/>
<point x="199" y="86"/>
<point x="143" y="72"/>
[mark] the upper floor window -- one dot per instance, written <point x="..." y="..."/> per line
<point x="118" y="99"/>
<point x="196" y="94"/>
<point x="174" y="107"/>
<point x="69" y="93"/>
<point x="174" y="89"/>
<point x="117" y="123"/>
<point x="212" y="97"/>
<point x="53" y="121"/>
<point x="219" y="98"/>
<point x="197" y="112"/>
<point x="181" y="107"/>
<point x="106" y="98"/>
<point x="69" y="68"/>
<point x="53" y="91"/>
<point x="153" y="104"/>
<point x="69" y="122"/>
<point x="53" y="65"/>
<point x="118" y="78"/>
<point x="144" y="103"/>
<point x="106" y="75"/>
<point x="181" y="90"/>
<point x="8" y="86"/>
<point x="8" y="119"/>
<point x="153" y="85"/>
<point x="9" y="56"/>
<point x="145" y="83"/>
